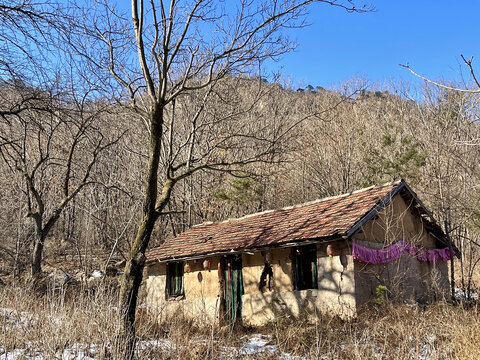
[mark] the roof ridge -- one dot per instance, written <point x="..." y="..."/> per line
<point x="395" y="182"/>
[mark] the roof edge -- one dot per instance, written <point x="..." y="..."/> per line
<point x="380" y="205"/>
<point x="246" y="250"/>
<point x="385" y="201"/>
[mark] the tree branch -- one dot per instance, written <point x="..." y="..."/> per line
<point x="470" y="91"/>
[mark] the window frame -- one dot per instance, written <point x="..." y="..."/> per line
<point x="175" y="272"/>
<point x="304" y="260"/>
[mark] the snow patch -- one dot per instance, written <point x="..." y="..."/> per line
<point x="97" y="274"/>
<point x="258" y="344"/>
<point x="461" y="294"/>
<point x="15" y="320"/>
<point x="31" y="352"/>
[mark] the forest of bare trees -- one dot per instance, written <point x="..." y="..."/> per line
<point x="118" y="131"/>
<point x="337" y="142"/>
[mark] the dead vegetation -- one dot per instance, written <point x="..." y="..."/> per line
<point x="337" y="140"/>
<point x="80" y="324"/>
<point x="439" y="331"/>
<point x="387" y="137"/>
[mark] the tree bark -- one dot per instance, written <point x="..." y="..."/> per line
<point x="41" y="234"/>
<point x="36" y="266"/>
<point x="36" y="262"/>
<point x="132" y="279"/>
<point x="133" y="273"/>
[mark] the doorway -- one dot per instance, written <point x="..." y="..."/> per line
<point x="233" y="289"/>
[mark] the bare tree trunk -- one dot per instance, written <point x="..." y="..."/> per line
<point x="163" y="79"/>
<point x="130" y="284"/>
<point x="452" y="268"/>
<point x="36" y="266"/>
<point x="133" y="273"/>
<point x="41" y="234"/>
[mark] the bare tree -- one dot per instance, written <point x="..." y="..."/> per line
<point x="47" y="141"/>
<point x="187" y="49"/>
<point x="47" y="118"/>
<point x="26" y="28"/>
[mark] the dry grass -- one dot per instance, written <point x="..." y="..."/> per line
<point x="53" y="322"/>
<point x="82" y="324"/>
<point x="438" y="331"/>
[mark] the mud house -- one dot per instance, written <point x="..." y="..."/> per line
<point x="328" y="255"/>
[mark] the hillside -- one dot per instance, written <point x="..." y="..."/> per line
<point x="327" y="142"/>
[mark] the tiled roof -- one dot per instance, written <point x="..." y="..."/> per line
<point x="322" y="218"/>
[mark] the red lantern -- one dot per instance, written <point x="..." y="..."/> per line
<point x="186" y="268"/>
<point x="206" y="264"/>
<point x="330" y="251"/>
<point x="220" y="272"/>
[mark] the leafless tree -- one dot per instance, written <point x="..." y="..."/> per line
<point x="47" y="117"/>
<point x="25" y="30"/>
<point x="187" y="49"/>
<point x="47" y="140"/>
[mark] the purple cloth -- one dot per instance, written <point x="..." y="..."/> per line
<point x="394" y="251"/>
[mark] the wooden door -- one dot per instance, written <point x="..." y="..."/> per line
<point x="233" y="288"/>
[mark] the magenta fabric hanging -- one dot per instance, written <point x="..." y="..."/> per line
<point x="394" y="251"/>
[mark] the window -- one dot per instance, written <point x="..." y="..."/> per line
<point x="305" y="267"/>
<point x="175" y="279"/>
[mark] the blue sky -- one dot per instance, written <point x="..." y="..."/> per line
<point x="338" y="46"/>
<point x="430" y="35"/>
